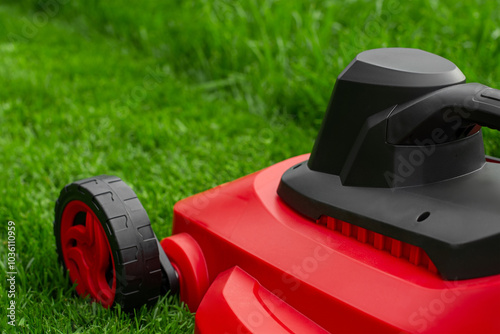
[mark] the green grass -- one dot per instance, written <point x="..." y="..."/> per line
<point x="237" y="86"/>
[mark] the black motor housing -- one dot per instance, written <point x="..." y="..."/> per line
<point x="401" y="140"/>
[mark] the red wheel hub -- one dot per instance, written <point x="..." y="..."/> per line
<point x="87" y="253"/>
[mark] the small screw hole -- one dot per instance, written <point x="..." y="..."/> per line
<point x="423" y="216"/>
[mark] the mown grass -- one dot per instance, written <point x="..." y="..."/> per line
<point x="176" y="97"/>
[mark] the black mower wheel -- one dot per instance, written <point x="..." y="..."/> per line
<point x="104" y="238"/>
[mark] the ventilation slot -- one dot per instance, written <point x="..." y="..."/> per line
<point x="399" y="249"/>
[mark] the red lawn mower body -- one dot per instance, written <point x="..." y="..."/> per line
<point x="260" y="267"/>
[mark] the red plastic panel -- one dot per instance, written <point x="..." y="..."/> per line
<point x="242" y="305"/>
<point x="339" y="283"/>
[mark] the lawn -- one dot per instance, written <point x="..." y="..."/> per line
<point x="176" y="97"/>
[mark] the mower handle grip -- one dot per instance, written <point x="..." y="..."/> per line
<point x="453" y="112"/>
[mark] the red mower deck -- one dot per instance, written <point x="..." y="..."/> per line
<point x="261" y="252"/>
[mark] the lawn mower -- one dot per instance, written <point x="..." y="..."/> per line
<point x="390" y="225"/>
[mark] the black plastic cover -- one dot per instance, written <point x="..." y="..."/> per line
<point x="461" y="234"/>
<point x="373" y="82"/>
<point x="400" y="140"/>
